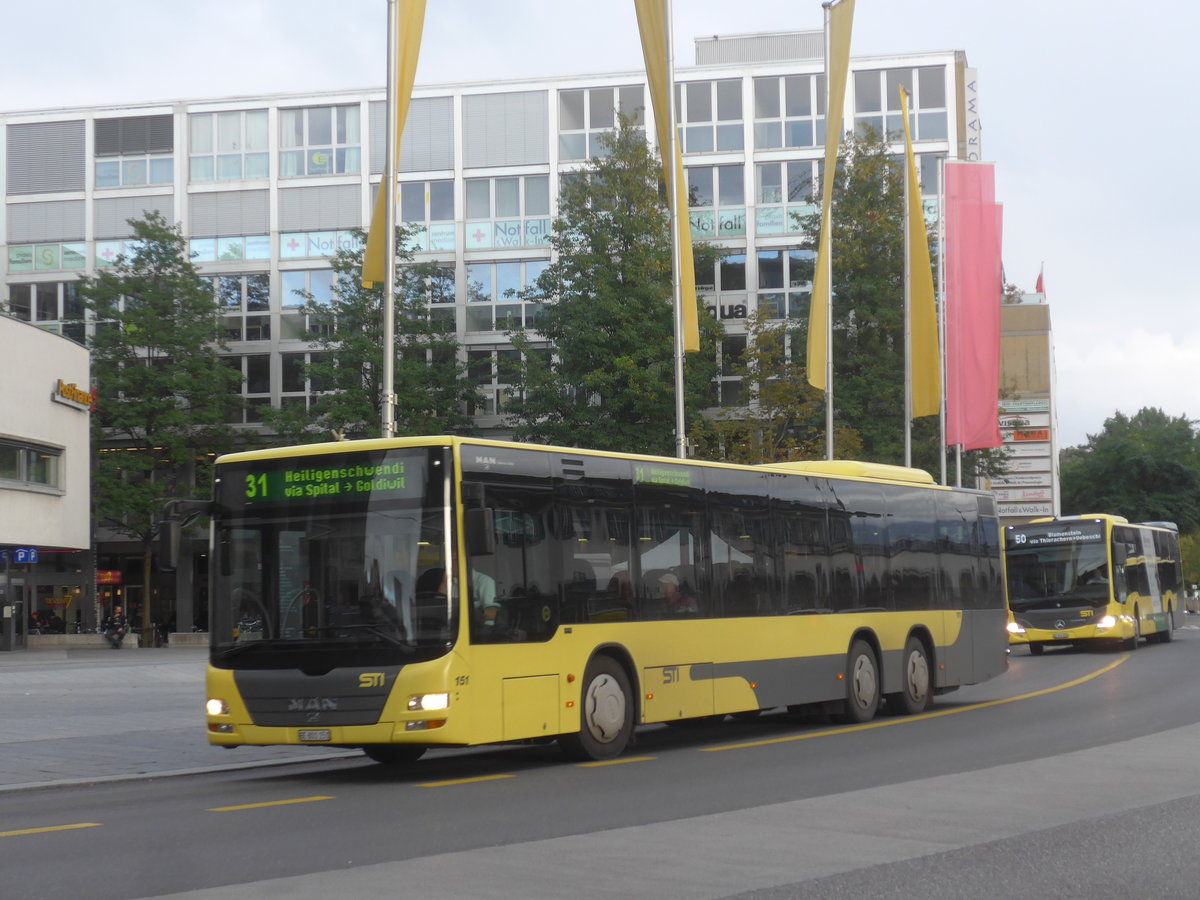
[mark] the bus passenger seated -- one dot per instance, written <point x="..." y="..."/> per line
<point x="676" y="600"/>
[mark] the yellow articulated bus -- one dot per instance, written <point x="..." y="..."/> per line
<point x="1076" y="579"/>
<point x="395" y="595"/>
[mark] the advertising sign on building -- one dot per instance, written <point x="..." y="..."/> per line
<point x="1026" y="509"/>
<point x="1021" y="479"/>
<point x="1028" y="464"/>
<point x="1025" y="420"/>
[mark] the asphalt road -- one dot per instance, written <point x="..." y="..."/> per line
<point x="1074" y="775"/>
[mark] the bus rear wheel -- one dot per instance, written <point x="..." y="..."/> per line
<point x="393" y="754"/>
<point x="862" y="684"/>
<point x="916" y="695"/>
<point x="605" y="714"/>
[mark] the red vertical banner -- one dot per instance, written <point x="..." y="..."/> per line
<point x="974" y="287"/>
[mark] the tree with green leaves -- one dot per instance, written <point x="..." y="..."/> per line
<point x="1145" y="467"/>
<point x="786" y="420"/>
<point x="432" y="392"/>
<point x="599" y="372"/>
<point x="164" y="395"/>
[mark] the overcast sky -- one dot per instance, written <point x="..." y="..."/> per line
<point x="1088" y="110"/>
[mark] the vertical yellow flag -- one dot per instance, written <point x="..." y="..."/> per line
<point x="652" y="26"/>
<point x="410" y="21"/>
<point x="924" y="362"/>
<point x="841" y="21"/>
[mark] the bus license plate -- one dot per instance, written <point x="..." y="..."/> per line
<point x="315" y="735"/>
<point x="1060" y="635"/>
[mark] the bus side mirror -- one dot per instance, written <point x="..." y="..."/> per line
<point x="480" y="531"/>
<point x="170" y="533"/>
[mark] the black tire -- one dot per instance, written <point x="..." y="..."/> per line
<point x="605" y="713"/>
<point x="747" y="715"/>
<point x="916" y="679"/>
<point x="1132" y="643"/>
<point x="393" y="754"/>
<point x="862" y="684"/>
<point x="1037" y="649"/>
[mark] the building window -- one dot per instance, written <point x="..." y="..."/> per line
<point x="584" y="115"/>
<point x="492" y="372"/>
<point x="710" y="116"/>
<point x="135" y="150"/>
<point x="228" y="146"/>
<point x="254" y="388"/>
<point x="494" y="295"/>
<point x="730" y="387"/>
<point x="429" y="204"/>
<point x="783" y="193"/>
<point x="721" y="284"/>
<point x="53" y="306"/>
<point x="320" y="140"/>
<point x="298" y="384"/>
<point x="230" y="249"/>
<point x="785" y="283"/>
<point x="297" y="287"/>
<point x="508" y="212"/>
<point x="789" y="111"/>
<point x="46" y="257"/>
<point x="877" y="102"/>
<point x="717" y="197"/>
<point x="29" y="465"/>
<point x="245" y="302"/>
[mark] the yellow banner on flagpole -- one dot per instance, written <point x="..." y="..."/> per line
<point x="652" y="27"/>
<point x="410" y="22"/>
<point x="841" y="21"/>
<point x="924" y="359"/>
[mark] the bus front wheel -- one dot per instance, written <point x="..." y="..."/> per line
<point x="862" y="687"/>
<point x="916" y="681"/>
<point x="393" y="754"/>
<point x="1132" y="643"/>
<point x="605" y="714"/>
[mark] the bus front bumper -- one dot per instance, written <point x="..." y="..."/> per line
<point x="1106" y="628"/>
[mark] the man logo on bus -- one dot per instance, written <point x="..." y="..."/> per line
<point x="310" y="704"/>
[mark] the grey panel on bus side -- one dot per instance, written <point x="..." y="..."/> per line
<point x="787" y="682"/>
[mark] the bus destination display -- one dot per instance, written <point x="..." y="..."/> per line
<point x="311" y="482"/>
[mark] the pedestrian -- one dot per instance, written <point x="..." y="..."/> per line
<point x="114" y="627"/>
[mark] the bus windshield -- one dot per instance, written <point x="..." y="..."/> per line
<point x="335" y="554"/>
<point x="1054" y="562"/>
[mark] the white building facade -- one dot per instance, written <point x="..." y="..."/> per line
<point x="45" y="460"/>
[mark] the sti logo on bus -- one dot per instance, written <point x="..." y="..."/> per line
<point x="370" y="679"/>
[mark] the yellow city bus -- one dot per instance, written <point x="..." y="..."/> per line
<point x="1076" y="579"/>
<point x="395" y="595"/>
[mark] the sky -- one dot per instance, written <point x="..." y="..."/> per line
<point x="1085" y="110"/>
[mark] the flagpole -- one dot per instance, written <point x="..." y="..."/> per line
<point x="908" y="363"/>
<point x="828" y="225"/>
<point x="676" y="250"/>
<point x="389" y="177"/>
<point x="943" y="368"/>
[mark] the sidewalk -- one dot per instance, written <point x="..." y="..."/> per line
<point x="86" y="715"/>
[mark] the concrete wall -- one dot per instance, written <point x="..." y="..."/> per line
<point x="32" y="362"/>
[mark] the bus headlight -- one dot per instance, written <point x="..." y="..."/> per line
<point x="216" y="707"/>
<point x="1015" y="628"/>
<point x="428" y="701"/>
<point x="1107" y="622"/>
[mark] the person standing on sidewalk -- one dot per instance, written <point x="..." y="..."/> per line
<point x="114" y="627"/>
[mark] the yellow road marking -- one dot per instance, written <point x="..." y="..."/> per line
<point x="269" y="803"/>
<point x="616" y="762"/>
<point x="4" y="834"/>
<point x="465" y="780"/>
<point x="885" y="723"/>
